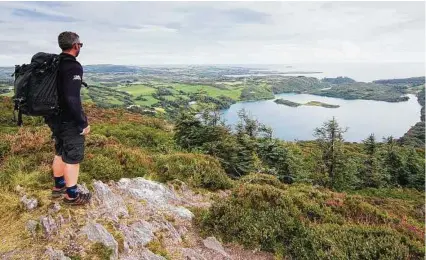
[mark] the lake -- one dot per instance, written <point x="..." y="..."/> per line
<point x="362" y="117"/>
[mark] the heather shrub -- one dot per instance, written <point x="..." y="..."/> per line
<point x="195" y="169"/>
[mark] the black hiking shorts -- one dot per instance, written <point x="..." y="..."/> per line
<point x="69" y="144"/>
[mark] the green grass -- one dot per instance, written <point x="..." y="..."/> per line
<point x="150" y="101"/>
<point x="231" y="92"/>
<point x="85" y="95"/>
<point x="10" y="94"/>
<point x="170" y="98"/>
<point x="114" y="101"/>
<point x="137" y="90"/>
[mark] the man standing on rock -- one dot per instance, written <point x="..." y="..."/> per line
<point x="70" y="127"/>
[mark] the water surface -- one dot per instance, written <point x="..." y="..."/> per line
<point x="362" y="117"/>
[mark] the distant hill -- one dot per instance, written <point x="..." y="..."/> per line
<point x="416" y="134"/>
<point x="413" y="81"/>
<point x="109" y="68"/>
<point x="338" y="80"/>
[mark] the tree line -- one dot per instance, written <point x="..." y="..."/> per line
<point x="328" y="161"/>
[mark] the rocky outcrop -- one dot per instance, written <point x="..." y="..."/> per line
<point x="49" y="226"/>
<point x="191" y="254"/>
<point x="31" y="227"/>
<point x="137" y="234"/>
<point x="97" y="233"/>
<point x="156" y="195"/>
<point x="152" y="192"/>
<point x="142" y="255"/>
<point x="109" y="204"/>
<point x="132" y="218"/>
<point x="29" y="203"/>
<point x="56" y="254"/>
<point x="212" y="243"/>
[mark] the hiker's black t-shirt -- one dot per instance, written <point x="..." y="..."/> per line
<point x="69" y="85"/>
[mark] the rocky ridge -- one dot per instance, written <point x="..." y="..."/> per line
<point x="131" y="219"/>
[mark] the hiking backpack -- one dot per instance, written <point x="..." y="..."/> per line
<point x="35" y="87"/>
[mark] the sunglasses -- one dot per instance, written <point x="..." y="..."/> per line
<point x="79" y="44"/>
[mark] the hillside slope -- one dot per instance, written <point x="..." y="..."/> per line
<point x="155" y="200"/>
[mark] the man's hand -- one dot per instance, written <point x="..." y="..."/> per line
<point x="85" y="130"/>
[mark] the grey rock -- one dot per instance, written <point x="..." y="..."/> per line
<point x="61" y="219"/>
<point x="55" y="208"/>
<point x="181" y="212"/>
<point x="110" y="204"/>
<point x="9" y="255"/>
<point x="212" y="243"/>
<point x="173" y="233"/>
<point x="182" y="230"/>
<point x="82" y="188"/>
<point x="142" y="255"/>
<point x="48" y="225"/>
<point x="32" y="226"/>
<point x="191" y="254"/>
<point x="140" y="188"/>
<point x="56" y="254"/>
<point x="97" y="233"/>
<point x="29" y="203"/>
<point x="139" y="233"/>
<point x="73" y="248"/>
<point x="148" y="255"/>
<point x="157" y="196"/>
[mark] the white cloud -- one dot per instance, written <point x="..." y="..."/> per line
<point x="217" y="32"/>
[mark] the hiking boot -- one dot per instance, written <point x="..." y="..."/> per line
<point x="57" y="193"/>
<point x="81" y="199"/>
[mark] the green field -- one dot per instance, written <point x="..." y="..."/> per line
<point x="137" y="90"/>
<point x="114" y="101"/>
<point x="9" y="94"/>
<point x="150" y="101"/>
<point x="232" y="92"/>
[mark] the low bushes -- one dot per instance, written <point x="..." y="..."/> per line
<point x="115" y="162"/>
<point x="138" y="135"/>
<point x="196" y="169"/>
<point x="260" y="178"/>
<point x="302" y="222"/>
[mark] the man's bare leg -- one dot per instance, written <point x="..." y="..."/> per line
<point x="71" y="175"/>
<point x="58" y="166"/>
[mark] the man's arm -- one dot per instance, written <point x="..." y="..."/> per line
<point x="71" y="89"/>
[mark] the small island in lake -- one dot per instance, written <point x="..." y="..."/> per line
<point x="320" y="104"/>
<point x="310" y="103"/>
<point x="287" y="102"/>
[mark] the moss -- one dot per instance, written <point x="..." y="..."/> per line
<point x="118" y="236"/>
<point x="157" y="247"/>
<point x="99" y="251"/>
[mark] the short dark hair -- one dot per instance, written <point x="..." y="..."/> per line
<point x="67" y="39"/>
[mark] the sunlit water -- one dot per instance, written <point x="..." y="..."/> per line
<point x="361" y="117"/>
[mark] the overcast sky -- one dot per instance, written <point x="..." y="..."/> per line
<point x="217" y="32"/>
